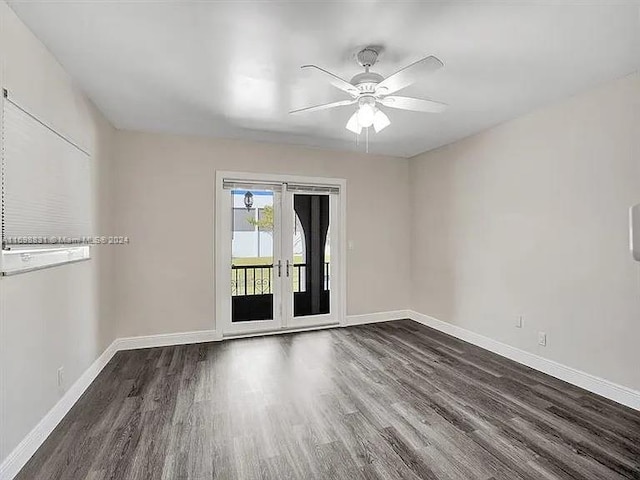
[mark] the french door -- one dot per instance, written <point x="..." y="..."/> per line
<point x="279" y="252"/>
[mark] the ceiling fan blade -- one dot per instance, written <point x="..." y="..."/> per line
<point x="415" y="104"/>
<point x="324" y="106"/>
<point x="336" y="81"/>
<point x="408" y="75"/>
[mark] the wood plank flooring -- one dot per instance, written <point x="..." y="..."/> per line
<point x="391" y="401"/>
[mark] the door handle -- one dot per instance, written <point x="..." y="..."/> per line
<point x="279" y="268"/>
<point x="287" y="268"/>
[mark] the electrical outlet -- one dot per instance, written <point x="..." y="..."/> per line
<point x="542" y="339"/>
<point x="520" y="321"/>
<point x="61" y="377"/>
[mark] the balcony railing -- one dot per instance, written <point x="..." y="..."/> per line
<point x="258" y="279"/>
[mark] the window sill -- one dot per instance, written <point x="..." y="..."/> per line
<point x="23" y="260"/>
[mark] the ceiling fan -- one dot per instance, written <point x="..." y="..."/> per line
<point x="369" y="89"/>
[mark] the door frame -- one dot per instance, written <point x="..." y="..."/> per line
<point x="222" y="253"/>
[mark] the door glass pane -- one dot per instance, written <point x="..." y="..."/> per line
<point x="311" y="255"/>
<point x="252" y="255"/>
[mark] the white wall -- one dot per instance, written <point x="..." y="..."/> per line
<point x="59" y="316"/>
<point x="531" y="217"/>
<point x="164" y="194"/>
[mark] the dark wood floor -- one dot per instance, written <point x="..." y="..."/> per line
<point x="388" y="401"/>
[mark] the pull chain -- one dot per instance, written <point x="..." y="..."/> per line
<point x="367" y="141"/>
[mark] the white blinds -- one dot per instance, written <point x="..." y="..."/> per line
<point x="46" y="189"/>
<point x="230" y="184"/>
<point x="308" y="188"/>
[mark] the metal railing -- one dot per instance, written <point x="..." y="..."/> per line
<point x="251" y="280"/>
<point x="258" y="279"/>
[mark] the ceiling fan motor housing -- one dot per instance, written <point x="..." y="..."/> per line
<point x="366" y="81"/>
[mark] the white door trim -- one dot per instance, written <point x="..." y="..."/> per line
<point x="222" y="287"/>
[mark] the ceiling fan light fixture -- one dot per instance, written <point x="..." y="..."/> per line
<point x="353" y="125"/>
<point x="366" y="113"/>
<point x="380" y="121"/>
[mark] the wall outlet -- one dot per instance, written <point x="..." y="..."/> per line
<point x="61" y="378"/>
<point x="542" y="339"/>
<point x="520" y="321"/>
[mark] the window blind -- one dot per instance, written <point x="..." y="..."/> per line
<point x="307" y="188"/>
<point x="230" y="184"/>
<point x="46" y="182"/>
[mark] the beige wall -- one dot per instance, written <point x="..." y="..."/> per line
<point x="164" y="194"/>
<point x="59" y="316"/>
<point x="531" y="218"/>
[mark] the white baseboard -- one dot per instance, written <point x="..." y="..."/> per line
<point x="605" y="388"/>
<point x="36" y="437"/>
<point x="377" y="317"/>
<point x="167" y="339"/>
<point x="283" y="331"/>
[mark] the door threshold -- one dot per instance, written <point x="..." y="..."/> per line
<point x="264" y="333"/>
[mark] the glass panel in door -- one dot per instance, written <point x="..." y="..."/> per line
<point x="311" y="267"/>
<point x="252" y="255"/>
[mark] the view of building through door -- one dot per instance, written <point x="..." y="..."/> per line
<point x="278" y="245"/>
<point x="252" y="276"/>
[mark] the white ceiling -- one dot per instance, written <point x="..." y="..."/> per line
<point x="231" y="69"/>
